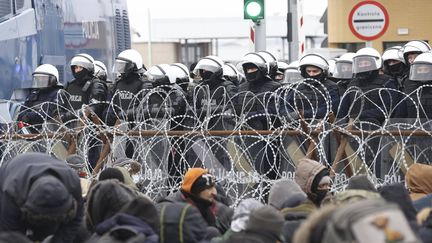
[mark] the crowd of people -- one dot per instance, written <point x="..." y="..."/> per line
<point x="44" y="199"/>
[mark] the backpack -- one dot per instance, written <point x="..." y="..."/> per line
<point x="180" y="223"/>
<point x="369" y="221"/>
<point x="122" y="234"/>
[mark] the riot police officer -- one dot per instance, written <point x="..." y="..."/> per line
<point x="257" y="105"/>
<point x="101" y="72"/>
<point x="365" y="98"/>
<point x="370" y="99"/>
<point x="46" y="99"/>
<point x="214" y="93"/>
<point x="127" y="93"/>
<point x="418" y="87"/>
<point x="292" y="74"/>
<point x="85" y="88"/>
<point x="230" y="73"/>
<point x="282" y="67"/>
<point x="128" y="87"/>
<point x="316" y="96"/>
<point x="164" y="109"/>
<point x="183" y="76"/>
<point x="343" y="71"/>
<point x="212" y="107"/>
<point x="394" y="65"/>
<point x="414" y="48"/>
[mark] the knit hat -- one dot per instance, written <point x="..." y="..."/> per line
<point x="75" y="161"/>
<point x="111" y="173"/>
<point x="197" y="180"/>
<point x="266" y="220"/>
<point x="48" y="196"/>
<point x="360" y="182"/>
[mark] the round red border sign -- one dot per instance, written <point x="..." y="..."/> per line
<point x="367" y="22"/>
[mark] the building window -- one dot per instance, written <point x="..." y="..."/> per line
<point x="5" y="9"/>
<point x="351" y="47"/>
<point x="389" y="44"/>
<point x="192" y="52"/>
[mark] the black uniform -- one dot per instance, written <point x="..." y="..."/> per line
<point x="311" y="97"/>
<point x="88" y="90"/>
<point x="43" y="104"/>
<point x="124" y="97"/>
<point x="257" y="103"/>
<point x="373" y="105"/>
<point x="369" y="101"/>
<point x="212" y="106"/>
<point x="16" y="180"/>
<point x="423" y="100"/>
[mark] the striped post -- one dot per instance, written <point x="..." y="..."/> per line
<point x="301" y="34"/>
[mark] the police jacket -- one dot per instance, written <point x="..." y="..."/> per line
<point x="369" y="99"/>
<point x="212" y="97"/>
<point x="421" y="95"/>
<point x="16" y="178"/>
<point x="315" y="98"/>
<point x="43" y="104"/>
<point x="258" y="95"/>
<point x="91" y="91"/>
<point x="126" y="96"/>
<point x="164" y="101"/>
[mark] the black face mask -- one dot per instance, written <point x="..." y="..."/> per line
<point x="318" y="196"/>
<point x="396" y="69"/>
<point x="319" y="77"/>
<point x="254" y="76"/>
<point x="364" y="76"/>
<point x="161" y="81"/>
<point x="81" y="75"/>
<point x="206" y="75"/>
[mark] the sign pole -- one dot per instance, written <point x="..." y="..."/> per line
<point x="260" y="36"/>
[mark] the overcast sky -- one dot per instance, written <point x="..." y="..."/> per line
<point x="138" y="9"/>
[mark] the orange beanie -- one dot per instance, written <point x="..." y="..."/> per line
<point x="190" y="177"/>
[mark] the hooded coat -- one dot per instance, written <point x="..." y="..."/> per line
<point x="16" y="179"/>
<point x="282" y="191"/>
<point x="312" y="230"/>
<point x="306" y="172"/>
<point x="287" y="196"/>
<point x="180" y="222"/>
<point x="138" y="216"/>
<point x="105" y="199"/>
<point x="418" y="180"/>
<point x="397" y="193"/>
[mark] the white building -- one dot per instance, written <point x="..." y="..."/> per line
<point x="188" y="39"/>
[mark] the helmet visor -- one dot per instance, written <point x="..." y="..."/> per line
<point x="154" y="77"/>
<point x="292" y="76"/>
<point x="421" y="72"/>
<point x="122" y="66"/>
<point x="42" y="80"/>
<point x="209" y="68"/>
<point x="364" y="64"/>
<point x="343" y="70"/>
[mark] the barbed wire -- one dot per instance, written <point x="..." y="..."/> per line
<point x="246" y="140"/>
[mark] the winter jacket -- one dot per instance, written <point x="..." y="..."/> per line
<point x="284" y="190"/>
<point x="210" y="212"/>
<point x="369" y="100"/>
<point x="180" y="223"/>
<point x="16" y="178"/>
<point x="418" y="180"/>
<point x="105" y="199"/>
